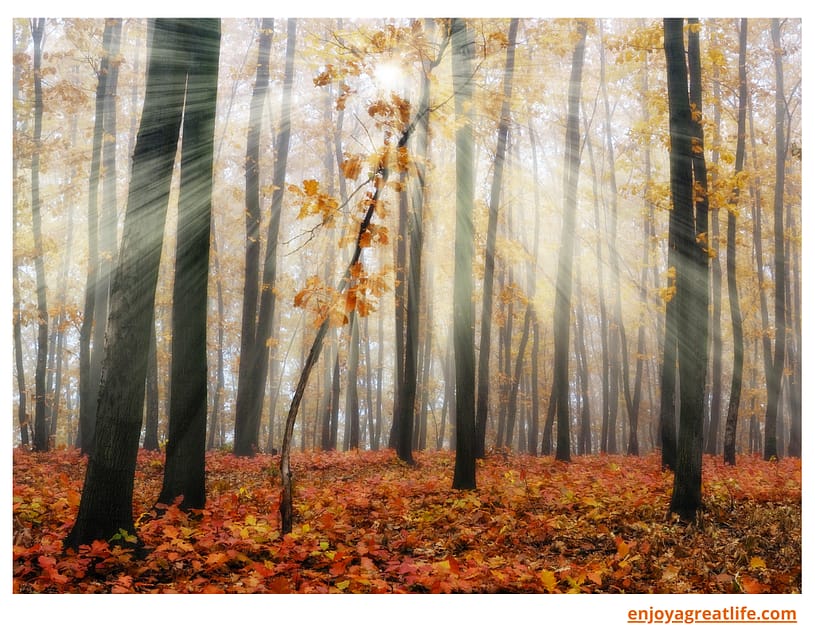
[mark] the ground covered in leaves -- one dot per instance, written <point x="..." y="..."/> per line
<point x="365" y="522"/>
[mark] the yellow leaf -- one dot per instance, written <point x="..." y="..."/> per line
<point x="547" y="578"/>
<point x="311" y="187"/>
<point x="757" y="562"/>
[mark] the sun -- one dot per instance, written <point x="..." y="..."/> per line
<point x="388" y="76"/>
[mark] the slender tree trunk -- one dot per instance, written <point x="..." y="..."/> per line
<point x="534" y="426"/>
<point x="40" y="411"/>
<point x="406" y="401"/>
<point x="584" y="431"/>
<point x="286" y="502"/>
<point x="151" y="395"/>
<point x="400" y="296"/>
<point x="731" y="421"/>
<point x="563" y="295"/>
<point x="220" y="375"/>
<point x="712" y="431"/>
<point x="774" y="379"/>
<point x="250" y="401"/>
<point x="607" y="439"/>
<point x="489" y="258"/>
<point x="22" y="411"/>
<point x="352" y="390"/>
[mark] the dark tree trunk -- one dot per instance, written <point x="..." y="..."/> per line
<point x="563" y="294"/>
<point x="40" y="442"/>
<point x="351" y="440"/>
<point x="400" y="296"/>
<point x="692" y="272"/>
<point x="463" y="51"/>
<point x="106" y="505"/>
<point x="186" y="440"/>
<point x="94" y="320"/>
<point x="251" y="286"/>
<point x="250" y="394"/>
<point x="774" y="379"/>
<point x="482" y="404"/>
<point x="714" y="420"/>
<point x="732" y="282"/>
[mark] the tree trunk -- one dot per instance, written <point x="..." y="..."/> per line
<point x="563" y="295"/>
<point x="732" y="282"/>
<point x="286" y="503"/>
<point x="92" y="332"/>
<point x="489" y="258"/>
<point x="151" y="394"/>
<point x="40" y="442"/>
<point x="692" y="270"/>
<point x="607" y="435"/>
<point x="106" y="507"/>
<point x="534" y="425"/>
<point x="250" y="393"/>
<point x="351" y="441"/>
<point x="774" y="379"/>
<point x="463" y="51"/>
<point x="186" y="441"/>
<point x="22" y="411"/>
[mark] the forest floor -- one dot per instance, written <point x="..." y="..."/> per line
<point x="366" y="522"/>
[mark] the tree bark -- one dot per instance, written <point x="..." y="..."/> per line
<point x="731" y="421"/>
<point x="40" y="442"/>
<point x="463" y="51"/>
<point x="692" y="270"/>
<point x="106" y="508"/>
<point x="773" y="411"/>
<point x="22" y="410"/>
<point x="184" y="475"/>
<point x="250" y="394"/>
<point x="489" y="257"/>
<point x="563" y="294"/>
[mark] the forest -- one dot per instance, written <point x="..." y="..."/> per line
<point x="407" y="305"/>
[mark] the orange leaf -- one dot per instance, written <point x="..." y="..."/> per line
<point x="752" y="586"/>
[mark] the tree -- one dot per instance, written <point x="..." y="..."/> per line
<point x="463" y="50"/>
<point x="252" y="218"/>
<point x="186" y="440"/>
<point x="406" y="401"/>
<point x="40" y="413"/>
<point x="692" y="262"/>
<point x="22" y="411"/>
<point x="250" y="386"/>
<point x="489" y="256"/>
<point x="92" y="333"/>
<point x="563" y="292"/>
<point x="105" y="509"/>
<point x="732" y="418"/>
<point x="775" y="371"/>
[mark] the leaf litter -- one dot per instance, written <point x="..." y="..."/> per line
<point x="367" y="523"/>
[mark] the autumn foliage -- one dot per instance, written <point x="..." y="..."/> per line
<point x="365" y="522"/>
